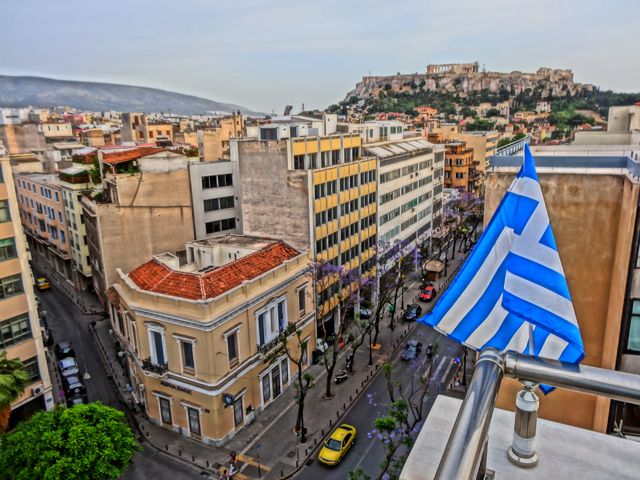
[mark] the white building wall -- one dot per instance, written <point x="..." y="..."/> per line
<point x="199" y="195"/>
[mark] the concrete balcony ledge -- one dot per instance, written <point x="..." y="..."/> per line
<point x="564" y="451"/>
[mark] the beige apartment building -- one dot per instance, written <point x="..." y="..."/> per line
<point x="20" y="332"/>
<point x="484" y="144"/>
<point x="198" y="327"/>
<point x="45" y="222"/>
<point x="591" y="193"/>
<point x="145" y="208"/>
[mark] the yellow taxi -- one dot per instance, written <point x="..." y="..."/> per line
<point x="337" y="445"/>
<point x="42" y="283"/>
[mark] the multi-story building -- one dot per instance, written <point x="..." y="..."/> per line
<point x="76" y="182"/>
<point x="484" y="143"/>
<point x="145" y="208"/>
<point x="20" y="332"/>
<point x="57" y="132"/>
<point x="591" y="193"/>
<point x="45" y="221"/>
<point x="316" y="192"/>
<point x="216" y="198"/>
<point x="375" y="131"/>
<point x="198" y="328"/>
<point x="459" y="169"/>
<point x="409" y="189"/>
<point x="623" y="128"/>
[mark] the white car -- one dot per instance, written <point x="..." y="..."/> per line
<point x="321" y="345"/>
<point x="68" y="366"/>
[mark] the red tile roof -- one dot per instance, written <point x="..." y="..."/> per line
<point x="154" y="276"/>
<point x="128" y="155"/>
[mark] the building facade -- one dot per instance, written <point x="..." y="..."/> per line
<point x="592" y="200"/>
<point x="145" y="208"/>
<point x="20" y="331"/>
<point x="198" y="330"/>
<point x="45" y="222"/>
<point x="216" y="198"/>
<point x="315" y="192"/>
<point x="459" y="170"/>
<point x="409" y="190"/>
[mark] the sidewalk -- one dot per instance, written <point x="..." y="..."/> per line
<point x="268" y="445"/>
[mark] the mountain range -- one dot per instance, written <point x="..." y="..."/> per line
<point x="22" y="91"/>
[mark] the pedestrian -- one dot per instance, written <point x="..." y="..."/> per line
<point x="225" y="475"/>
<point x="232" y="463"/>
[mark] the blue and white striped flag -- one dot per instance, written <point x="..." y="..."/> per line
<point x="513" y="283"/>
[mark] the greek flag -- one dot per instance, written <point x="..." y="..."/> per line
<point x="511" y="293"/>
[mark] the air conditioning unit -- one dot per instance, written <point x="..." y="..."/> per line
<point x="36" y="391"/>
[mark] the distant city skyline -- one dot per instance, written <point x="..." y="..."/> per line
<point x="265" y="55"/>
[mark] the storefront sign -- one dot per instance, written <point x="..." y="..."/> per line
<point x="175" y="387"/>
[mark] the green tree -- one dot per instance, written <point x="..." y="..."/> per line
<point x="86" y="441"/>
<point x="13" y="380"/>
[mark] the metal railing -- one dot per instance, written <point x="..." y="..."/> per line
<point x="464" y="457"/>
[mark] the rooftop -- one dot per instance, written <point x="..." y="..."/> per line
<point x="128" y="155"/>
<point x="50" y="178"/>
<point x="390" y="149"/>
<point x="162" y="274"/>
<point x="564" y="451"/>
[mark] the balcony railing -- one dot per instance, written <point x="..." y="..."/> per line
<point x="157" y="368"/>
<point x="266" y="347"/>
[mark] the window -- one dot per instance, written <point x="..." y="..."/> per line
<point x="194" y="420"/>
<point x="298" y="162"/>
<point x="15" y="330"/>
<point x="165" y="410"/>
<point x="157" y="345"/>
<point x="217" y="181"/>
<point x="11" y="286"/>
<point x="218" y="203"/>
<point x="633" y="342"/>
<point x="232" y="348"/>
<point x="305" y="352"/>
<point x="301" y="300"/>
<point x="7" y="249"/>
<point x="220" y="225"/>
<point x="5" y="215"/>
<point x="31" y="366"/>
<point x="57" y="199"/>
<point x="266" y="389"/>
<point x="284" y="371"/>
<point x="271" y="321"/>
<point x="238" y="411"/>
<point x="188" y="361"/>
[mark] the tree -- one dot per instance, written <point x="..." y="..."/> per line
<point x="492" y="112"/>
<point x="304" y="381"/>
<point x="338" y="292"/>
<point x="86" y="441"/>
<point x="13" y="380"/>
<point x="402" y="421"/>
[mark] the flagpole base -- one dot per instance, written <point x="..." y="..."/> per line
<point x="522" y="462"/>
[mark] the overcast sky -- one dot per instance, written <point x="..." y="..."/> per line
<point x="266" y="54"/>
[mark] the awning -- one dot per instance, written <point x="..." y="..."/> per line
<point x="434" y="266"/>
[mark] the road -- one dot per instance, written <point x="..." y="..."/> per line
<point x="368" y="453"/>
<point x="67" y="322"/>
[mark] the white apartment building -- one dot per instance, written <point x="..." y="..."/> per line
<point x="410" y="176"/>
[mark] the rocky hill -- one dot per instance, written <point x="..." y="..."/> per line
<point x="98" y="97"/>
<point x="465" y="78"/>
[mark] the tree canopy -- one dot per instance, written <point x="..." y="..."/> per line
<point x="86" y="441"/>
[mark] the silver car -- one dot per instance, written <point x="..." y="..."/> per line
<point x="68" y="366"/>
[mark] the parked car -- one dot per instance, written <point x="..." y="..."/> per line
<point x="76" y="399"/>
<point x="68" y="367"/>
<point x="365" y="312"/>
<point x="412" y="313"/>
<point x="427" y="293"/>
<point x="63" y="349"/>
<point x="72" y="385"/>
<point x="42" y="283"/>
<point x="337" y="445"/>
<point x="411" y="350"/>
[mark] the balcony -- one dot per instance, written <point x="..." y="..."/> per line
<point x="156" y="368"/>
<point x="267" y="347"/>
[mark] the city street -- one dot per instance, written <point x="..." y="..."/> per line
<point x="67" y="322"/>
<point x="368" y="453"/>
